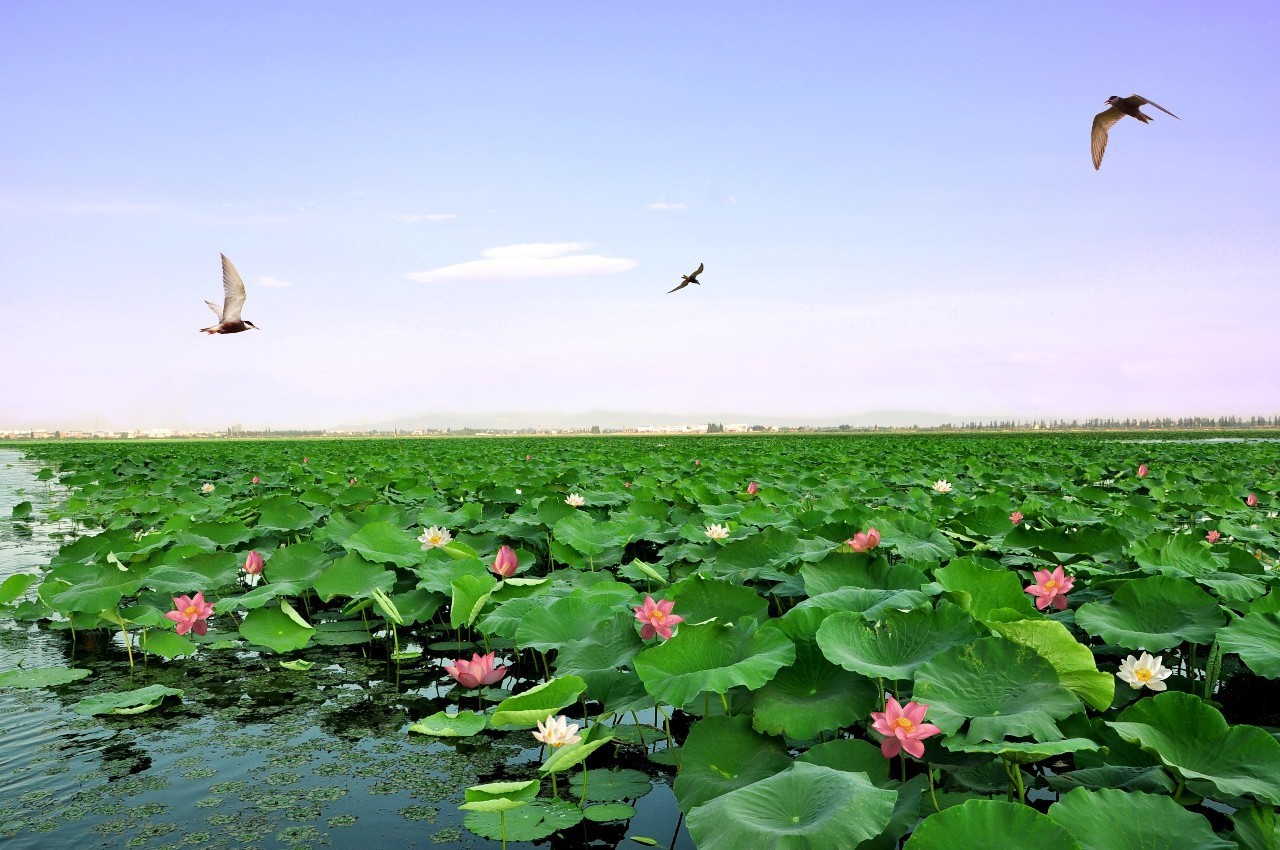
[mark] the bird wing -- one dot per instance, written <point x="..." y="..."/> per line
<point x="1102" y="122"/>
<point x="217" y="311"/>
<point x="232" y="291"/>
<point x="1143" y="101"/>
<point x="697" y="271"/>
<point x="682" y="285"/>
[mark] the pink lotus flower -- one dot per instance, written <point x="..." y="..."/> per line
<point x="1142" y="470"/>
<point x="626" y="484"/>
<point x="255" y="480"/>
<point x="190" y="614"/>
<point x="1016" y="517"/>
<point x="304" y="460"/>
<point x="1051" y="588"/>
<point x="1213" y="536"/>
<point x="476" y="672"/>
<point x="697" y="463"/>
<point x="528" y="457"/>
<point x="902" y="727"/>
<point x="253" y="564"/>
<point x="352" y="481"/>
<point x="505" y="563"/>
<point x="1251" y="500"/>
<point x="753" y="488"/>
<point x="864" y="541"/>
<point x="657" y="618"/>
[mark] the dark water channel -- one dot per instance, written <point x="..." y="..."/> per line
<point x="253" y="756"/>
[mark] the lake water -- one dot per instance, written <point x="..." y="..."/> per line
<point x="254" y="756"/>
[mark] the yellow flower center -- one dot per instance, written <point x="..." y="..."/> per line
<point x="657" y="617"/>
<point x="191" y="611"/>
<point x="1142" y="675"/>
<point x="904" y="724"/>
<point x="1050" y="584"/>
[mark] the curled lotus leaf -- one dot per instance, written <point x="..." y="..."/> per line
<point x="896" y="646"/>
<point x="1153" y="614"/>
<point x="1120" y="820"/>
<point x="713" y="657"/>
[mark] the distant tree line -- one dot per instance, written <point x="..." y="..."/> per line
<point x="1167" y="423"/>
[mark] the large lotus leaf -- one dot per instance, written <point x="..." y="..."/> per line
<point x="464" y="724"/>
<point x="1119" y="820"/>
<point x="770" y="549"/>
<point x="611" y="644"/>
<point x="721" y="754"/>
<point x="126" y="702"/>
<point x="573" y="618"/>
<point x="713" y="657"/>
<point x="500" y="796"/>
<point x="92" y="587"/>
<point x="175" y="580"/>
<point x="166" y="644"/>
<point x="1119" y="777"/>
<point x="504" y="618"/>
<point x="354" y="577"/>
<point x="614" y="784"/>
<point x="805" y="806"/>
<point x="41" y="677"/>
<point x="984" y="588"/>
<point x="916" y="541"/>
<point x="871" y="603"/>
<point x="1006" y="688"/>
<point x="858" y="570"/>
<point x="385" y="543"/>
<point x="569" y="755"/>
<point x="579" y="531"/>
<point x="1153" y="614"/>
<point x="1025" y="752"/>
<point x="699" y="599"/>
<point x="259" y="596"/>
<point x="1256" y="639"/>
<point x="532" y="822"/>
<point x="811" y="696"/>
<point x="16" y="585"/>
<point x="222" y="534"/>
<point x="1256" y="828"/>
<point x="1194" y="739"/>
<point x="1074" y="662"/>
<point x="1175" y="554"/>
<point x="277" y="628"/>
<point x="282" y="513"/>
<point x="469" y="595"/>
<point x="896" y="646"/>
<point x="850" y="755"/>
<point x="300" y="562"/>
<point x="526" y="709"/>
<point x="990" y="823"/>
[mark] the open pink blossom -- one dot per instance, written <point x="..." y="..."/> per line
<point x="1251" y="500"/>
<point x="476" y="672"/>
<point x="903" y="728"/>
<point x="657" y="618"/>
<point x="1213" y="536"/>
<point x="190" y="613"/>
<point x="1051" y="588"/>
<point x="352" y="481"/>
<point x="697" y="463"/>
<point x="1016" y="517"/>
<point x="864" y="541"/>
<point x="505" y="563"/>
<point x="1142" y="470"/>
<point x="626" y="484"/>
<point x="528" y="457"/>
<point x="255" y="480"/>
<point x="253" y="564"/>
<point x="753" y="488"/>
<point x="304" y="460"/>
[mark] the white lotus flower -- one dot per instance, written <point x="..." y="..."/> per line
<point x="557" y="732"/>
<point x="576" y="501"/>
<point x="717" y="532"/>
<point x="942" y="485"/>
<point x="207" y="488"/>
<point x="1144" y="671"/>
<point x="434" y="537"/>
<point x="518" y="491"/>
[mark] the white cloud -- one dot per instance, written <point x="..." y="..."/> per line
<point x="666" y="205"/>
<point x="414" y="219"/>
<point x="528" y="261"/>
<point x="273" y="282"/>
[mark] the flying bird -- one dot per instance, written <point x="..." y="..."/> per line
<point x="1107" y="118"/>
<point x="229" y="321"/>
<point x="686" y="279"/>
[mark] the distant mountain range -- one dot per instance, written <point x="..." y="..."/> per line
<point x="516" y="419"/>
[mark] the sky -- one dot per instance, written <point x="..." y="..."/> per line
<point x="481" y="207"/>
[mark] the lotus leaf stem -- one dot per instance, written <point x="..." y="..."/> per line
<point x="933" y="791"/>
<point x="128" y="645"/>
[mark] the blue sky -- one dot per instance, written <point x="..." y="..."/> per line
<point x="894" y="202"/>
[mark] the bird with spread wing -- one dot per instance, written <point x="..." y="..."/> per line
<point x="1118" y="107"/>
<point x="229" y="321"/>
<point x="687" y="279"/>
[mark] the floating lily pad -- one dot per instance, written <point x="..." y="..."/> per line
<point x="464" y="724"/>
<point x="126" y="702"/>
<point x="605" y="812"/>
<point x="41" y="677"/>
<point x="275" y="629"/>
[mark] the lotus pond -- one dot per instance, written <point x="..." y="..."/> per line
<point x="724" y="642"/>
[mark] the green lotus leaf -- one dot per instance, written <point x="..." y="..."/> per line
<point x="500" y="796"/>
<point x="586" y="536"/>
<point x="93" y="587"/>
<point x="699" y="599"/>
<point x="1256" y="828"/>
<point x="721" y="754"/>
<point x="1256" y="639"/>
<point x="984" y="588"/>
<point x="639" y="571"/>
<point x="15" y="586"/>
<point x="301" y="562"/>
<point x="175" y="580"/>
<point x="275" y="629"/>
<point x="41" y="677"/>
<point x="804" y="806"/>
<point x="259" y="596"/>
<point x="282" y="513"/>
<point x="1153" y="614"/>
<point x="990" y="823"/>
<point x="916" y="541"/>
<point x="1025" y="752"/>
<point x="418" y="606"/>
<point x="850" y="755"/>
<point x="1120" y="777"/>
<point x="612" y="644"/>
<point x="605" y="812"/>
<point x="570" y="755"/>
<point x="384" y="543"/>
<point x="609" y="785"/>
<point x="1007" y="689"/>
<point x="167" y="644"/>
<point x="713" y="657"/>
<point x="1179" y="555"/>
<point x="528" y="708"/>
<point x="770" y="549"/>
<point x="871" y="603"/>
<point x="532" y="822"/>
<point x="896" y="646"/>
<point x="470" y="593"/>
<point x="505" y="618"/>
<point x="1119" y="820"/>
<point x="297" y="665"/>
<point x="811" y="696"/>
<point x="858" y="570"/>
<point x="353" y="576"/>
<point x="126" y="702"/>
<point x="1075" y="664"/>
<point x="22" y="510"/>
<point x="1193" y="738"/>
<point x="572" y="618"/>
<point x="464" y="724"/>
